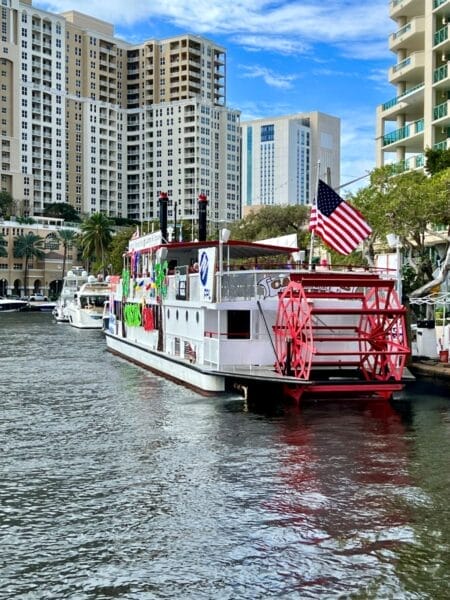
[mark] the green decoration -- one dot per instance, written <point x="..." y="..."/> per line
<point x="160" y="278"/>
<point x="126" y="282"/>
<point x="132" y="315"/>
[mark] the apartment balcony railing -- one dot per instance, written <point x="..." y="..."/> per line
<point x="404" y="132"/>
<point x="441" y="35"/>
<point x="397" y="99"/>
<point x="409" y="164"/>
<point x="440" y="111"/>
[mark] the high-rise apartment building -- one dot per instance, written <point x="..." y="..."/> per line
<point x="283" y="156"/>
<point x="92" y="120"/>
<point x="418" y="116"/>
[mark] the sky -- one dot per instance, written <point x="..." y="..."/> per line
<point x="283" y="57"/>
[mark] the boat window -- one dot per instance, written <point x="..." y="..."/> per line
<point x="238" y="324"/>
<point x="197" y="317"/>
<point x="168" y="313"/>
<point x="187" y="316"/>
<point x="176" y="315"/>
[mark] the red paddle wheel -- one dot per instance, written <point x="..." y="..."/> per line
<point x="383" y="341"/>
<point x="293" y="333"/>
<point x="341" y="333"/>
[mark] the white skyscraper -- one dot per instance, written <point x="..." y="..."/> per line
<point x="280" y="157"/>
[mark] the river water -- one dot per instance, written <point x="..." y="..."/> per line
<point x="116" y="483"/>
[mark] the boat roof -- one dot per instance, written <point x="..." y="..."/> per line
<point x="235" y="249"/>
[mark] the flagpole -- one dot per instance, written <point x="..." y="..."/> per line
<point x="311" y="245"/>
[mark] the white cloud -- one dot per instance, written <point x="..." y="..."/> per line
<point x="289" y="24"/>
<point x="280" y="45"/>
<point x="269" y="77"/>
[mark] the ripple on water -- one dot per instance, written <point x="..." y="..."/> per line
<point x="117" y="483"/>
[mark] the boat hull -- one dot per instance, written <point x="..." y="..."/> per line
<point x="82" y="319"/>
<point x="172" y="368"/>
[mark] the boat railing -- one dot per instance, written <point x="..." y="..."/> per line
<point x="230" y="286"/>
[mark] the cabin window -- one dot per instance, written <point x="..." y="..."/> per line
<point x="176" y="315"/>
<point x="187" y="316"/>
<point x="168" y="313"/>
<point x="238" y="325"/>
<point x="197" y="317"/>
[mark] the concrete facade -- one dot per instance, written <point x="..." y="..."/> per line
<point x="44" y="275"/>
<point x="84" y="116"/>
<point x="418" y="116"/>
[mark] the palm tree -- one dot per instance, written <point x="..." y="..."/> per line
<point x="66" y="237"/>
<point x="3" y="248"/>
<point x="28" y="246"/>
<point x="96" y="236"/>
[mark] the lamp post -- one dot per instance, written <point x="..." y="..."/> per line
<point x="394" y="242"/>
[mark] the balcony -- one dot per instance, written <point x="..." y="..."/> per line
<point x="441" y="114"/>
<point x="441" y="41"/>
<point x="410" y="36"/>
<point x="411" y="163"/>
<point x="408" y="103"/>
<point x="411" y="69"/>
<point x="440" y="5"/>
<point x="409" y="137"/>
<point x="405" y="8"/>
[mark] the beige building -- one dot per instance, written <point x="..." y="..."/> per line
<point x="418" y="116"/>
<point x="44" y="276"/>
<point x="92" y="120"/>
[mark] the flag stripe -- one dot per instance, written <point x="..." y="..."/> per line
<point x="340" y="226"/>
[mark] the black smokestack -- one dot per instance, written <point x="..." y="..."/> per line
<point x="202" y="205"/>
<point x="163" y="201"/>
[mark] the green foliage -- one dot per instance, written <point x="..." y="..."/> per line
<point x="273" y="221"/>
<point x="67" y="237"/>
<point x="25" y="220"/>
<point x="95" y="239"/>
<point x="28" y="246"/>
<point x="408" y="205"/>
<point x="6" y="204"/>
<point x="61" y="210"/>
<point x="3" y="246"/>
<point x="436" y="160"/>
<point x="119" y="245"/>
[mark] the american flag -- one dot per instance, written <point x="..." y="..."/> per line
<point x="340" y="226"/>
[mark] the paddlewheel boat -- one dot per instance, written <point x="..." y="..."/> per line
<point x="182" y="310"/>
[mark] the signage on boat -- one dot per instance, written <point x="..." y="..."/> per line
<point x="146" y="241"/>
<point x="207" y="265"/>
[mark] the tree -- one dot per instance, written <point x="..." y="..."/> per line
<point x="3" y="243"/>
<point x="410" y="205"/>
<point x="28" y="246"/>
<point x="6" y="204"/>
<point x="118" y="246"/>
<point x="273" y="221"/>
<point x="62" y="210"/>
<point x="436" y="160"/>
<point x="67" y="237"/>
<point x="96" y="236"/>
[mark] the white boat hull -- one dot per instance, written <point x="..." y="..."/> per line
<point x="191" y="375"/>
<point x="84" y="319"/>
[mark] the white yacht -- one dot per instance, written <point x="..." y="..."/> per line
<point x="72" y="282"/>
<point x="85" y="311"/>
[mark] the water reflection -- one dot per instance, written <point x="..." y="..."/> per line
<point x="117" y="483"/>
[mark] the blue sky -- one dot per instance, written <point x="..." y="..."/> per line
<point x="283" y="56"/>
